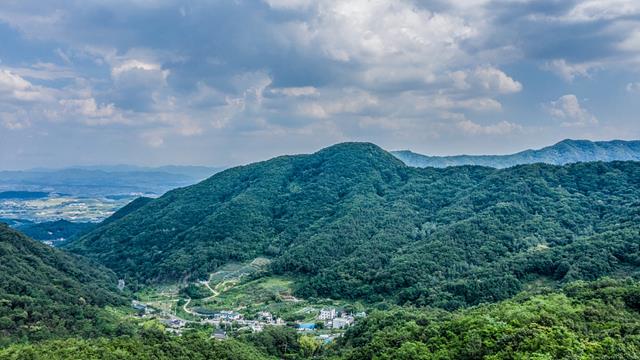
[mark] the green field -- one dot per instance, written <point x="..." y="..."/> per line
<point x="272" y="294"/>
<point x="246" y="288"/>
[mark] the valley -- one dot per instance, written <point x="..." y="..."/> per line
<point x="243" y="297"/>
<point x="346" y="253"/>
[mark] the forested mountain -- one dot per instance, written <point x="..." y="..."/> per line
<point x="46" y="293"/>
<point x="355" y="222"/>
<point x="564" y="152"/>
<point x="598" y="320"/>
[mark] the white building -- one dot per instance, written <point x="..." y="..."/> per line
<point x="227" y="315"/>
<point x="327" y="314"/>
<point x="265" y="316"/>
<point x="342" y="322"/>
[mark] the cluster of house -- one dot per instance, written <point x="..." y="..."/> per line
<point x="265" y="318"/>
<point x="338" y="319"/>
<point x="174" y="325"/>
<point x="224" y="318"/>
<point x="332" y="319"/>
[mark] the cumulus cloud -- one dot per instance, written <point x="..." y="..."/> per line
<point x="631" y="42"/>
<point x="169" y="73"/>
<point x="487" y="78"/>
<point x="89" y="111"/>
<point x="349" y="101"/>
<point x="500" y="128"/>
<point x="387" y="42"/>
<point x="569" y="71"/>
<point x="134" y="65"/>
<point x="594" y="10"/>
<point x="14" y="87"/>
<point x="567" y="108"/>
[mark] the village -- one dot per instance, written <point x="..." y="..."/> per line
<point x="217" y="306"/>
<point x="330" y="322"/>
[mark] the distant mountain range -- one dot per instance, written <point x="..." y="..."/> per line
<point x="564" y="152"/>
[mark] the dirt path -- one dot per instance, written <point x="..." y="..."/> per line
<point x="184" y="307"/>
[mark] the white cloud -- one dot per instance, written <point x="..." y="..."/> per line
<point x="87" y="108"/>
<point x="289" y="4"/>
<point x="296" y="91"/>
<point x="633" y="87"/>
<point x="486" y="79"/>
<point x="15" y="120"/>
<point x="14" y="87"/>
<point x="631" y="42"/>
<point x="12" y="82"/>
<point x="445" y="102"/>
<point x="133" y="64"/>
<point x="493" y="79"/>
<point x="569" y="71"/>
<point x="568" y="109"/>
<point x="500" y="128"/>
<point x="348" y="101"/>
<point x="391" y="41"/>
<point x="593" y="10"/>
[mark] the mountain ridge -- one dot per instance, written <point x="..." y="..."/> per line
<point x="564" y="152"/>
<point x="352" y="221"/>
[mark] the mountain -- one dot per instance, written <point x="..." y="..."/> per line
<point x="54" y="231"/>
<point x="544" y="325"/>
<point x="564" y="152"/>
<point x="46" y="293"/>
<point x="352" y="221"/>
<point x="190" y="171"/>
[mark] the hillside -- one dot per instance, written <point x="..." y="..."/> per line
<point x="354" y="222"/>
<point x="58" y="230"/>
<point x="598" y="320"/>
<point x="46" y="293"/>
<point x="564" y="152"/>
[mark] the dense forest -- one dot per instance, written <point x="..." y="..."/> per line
<point x="584" y="320"/>
<point x="587" y="320"/>
<point x="45" y="293"/>
<point x="357" y="223"/>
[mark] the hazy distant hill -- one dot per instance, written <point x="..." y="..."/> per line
<point x="190" y="171"/>
<point x="352" y="221"/>
<point x="57" y="231"/>
<point x="564" y="152"/>
<point x="104" y="180"/>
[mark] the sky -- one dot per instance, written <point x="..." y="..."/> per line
<point x="154" y="82"/>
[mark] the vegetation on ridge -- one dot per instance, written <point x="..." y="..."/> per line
<point x="45" y="293"/>
<point x="351" y="221"/>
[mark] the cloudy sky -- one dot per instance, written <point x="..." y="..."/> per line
<point x="228" y="82"/>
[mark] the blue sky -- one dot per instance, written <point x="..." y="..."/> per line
<point x="154" y="82"/>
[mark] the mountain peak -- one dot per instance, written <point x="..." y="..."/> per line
<point x="359" y="150"/>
